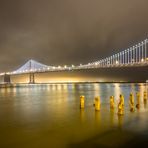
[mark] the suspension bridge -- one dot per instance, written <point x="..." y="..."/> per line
<point x="135" y="56"/>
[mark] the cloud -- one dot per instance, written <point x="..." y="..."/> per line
<point x="68" y="32"/>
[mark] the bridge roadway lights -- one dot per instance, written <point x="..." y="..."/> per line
<point x="7" y="79"/>
<point x="31" y="78"/>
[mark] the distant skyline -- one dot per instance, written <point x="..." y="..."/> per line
<point x="56" y="32"/>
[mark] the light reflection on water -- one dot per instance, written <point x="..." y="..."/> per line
<point x="49" y="115"/>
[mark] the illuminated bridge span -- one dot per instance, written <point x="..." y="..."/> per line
<point x="134" y="56"/>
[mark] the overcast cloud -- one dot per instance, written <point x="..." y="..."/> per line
<point x="59" y="32"/>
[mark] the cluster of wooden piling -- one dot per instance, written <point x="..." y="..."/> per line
<point x="120" y="106"/>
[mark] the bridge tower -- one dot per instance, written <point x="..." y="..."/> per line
<point x="31" y="78"/>
<point x="7" y="78"/>
<point x="31" y="75"/>
<point x="31" y="67"/>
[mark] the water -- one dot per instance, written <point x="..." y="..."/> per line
<point x="35" y="116"/>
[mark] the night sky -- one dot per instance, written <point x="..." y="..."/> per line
<point x="59" y="32"/>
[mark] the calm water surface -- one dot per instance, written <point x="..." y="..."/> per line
<point x="47" y="116"/>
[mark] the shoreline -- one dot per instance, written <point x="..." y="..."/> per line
<point x="11" y="85"/>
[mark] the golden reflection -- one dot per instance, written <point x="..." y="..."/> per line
<point x="132" y="88"/>
<point x="48" y="87"/>
<point x="59" y="86"/>
<point x="97" y="89"/>
<point x="14" y="91"/>
<point x="9" y="91"/>
<point x="145" y="96"/>
<point x="112" y="116"/>
<point x="131" y="102"/>
<point x="82" y="115"/>
<point x="59" y="92"/>
<point x="117" y="91"/>
<point x="97" y="118"/>
<point x="141" y="91"/>
<point x="82" y="102"/>
<point x="146" y="87"/>
<point x="120" y="121"/>
<point x="53" y="87"/>
<point x="4" y="91"/>
<point x="65" y="86"/>
<point x="138" y="100"/>
<point x="145" y="104"/>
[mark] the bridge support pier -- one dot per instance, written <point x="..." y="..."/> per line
<point x="7" y="79"/>
<point x="31" y="78"/>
